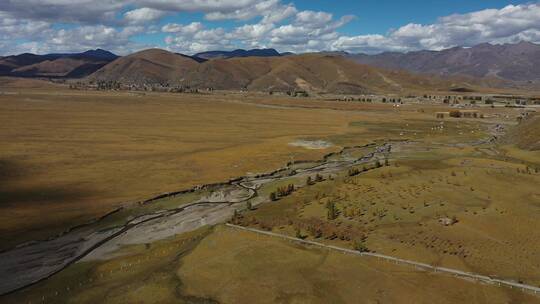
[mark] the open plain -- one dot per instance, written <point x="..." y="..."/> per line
<point x="367" y="176"/>
<point x="269" y="151"/>
<point x="78" y="155"/>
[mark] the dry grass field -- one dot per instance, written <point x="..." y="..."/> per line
<point x="70" y="156"/>
<point x="222" y="265"/>
<point x="75" y="156"/>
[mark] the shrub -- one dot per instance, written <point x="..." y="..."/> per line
<point x="283" y="191"/>
<point x="331" y="211"/>
<point x="353" y="172"/>
<point x="360" y="246"/>
<point x="455" y="113"/>
<point x="299" y="234"/>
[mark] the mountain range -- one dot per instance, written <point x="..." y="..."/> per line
<point x="239" y="53"/>
<point x="314" y="73"/>
<point x="506" y="65"/>
<point x="514" y="62"/>
<point x="74" y="65"/>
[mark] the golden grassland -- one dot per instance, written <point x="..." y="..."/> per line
<point x="74" y="155"/>
<point x="145" y="275"/>
<point x="260" y="269"/>
<point x="223" y="265"/>
<point x="395" y="210"/>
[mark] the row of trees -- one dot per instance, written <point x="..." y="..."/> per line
<point x="391" y="100"/>
<point x="312" y="227"/>
<point x="312" y="181"/>
<point x="297" y="93"/>
<point x="355" y="171"/>
<point x="282" y="192"/>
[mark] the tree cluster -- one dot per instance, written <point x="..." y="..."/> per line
<point x="282" y="192"/>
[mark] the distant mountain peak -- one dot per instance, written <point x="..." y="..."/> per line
<point x="239" y="53"/>
<point x="514" y="62"/>
<point x="60" y="65"/>
<point x="100" y="53"/>
<point x="523" y="42"/>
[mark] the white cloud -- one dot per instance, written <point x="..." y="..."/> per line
<point x="14" y="28"/>
<point x="313" y="29"/>
<point x="189" y="29"/>
<point x="143" y="15"/>
<point x="83" y="11"/>
<point x="247" y="12"/>
<point x="104" y="11"/>
<point x="81" y="39"/>
<point x="509" y="24"/>
<point x="252" y="31"/>
<point x="313" y="19"/>
<point x="193" y="38"/>
<point x="38" y="26"/>
<point x="278" y="14"/>
<point x="206" y="6"/>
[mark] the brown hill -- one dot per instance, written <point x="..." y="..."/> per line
<point x="309" y="72"/>
<point x="75" y="65"/>
<point x="526" y="135"/>
<point x="315" y="73"/>
<point x="52" y="68"/>
<point x="148" y="66"/>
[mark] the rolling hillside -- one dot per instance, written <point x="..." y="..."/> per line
<point x="148" y="66"/>
<point x="314" y="73"/>
<point x="526" y="135"/>
<point x="75" y="65"/>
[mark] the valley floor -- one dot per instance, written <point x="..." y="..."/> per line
<point x="372" y="177"/>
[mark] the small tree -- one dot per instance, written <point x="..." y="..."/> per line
<point x="249" y="206"/>
<point x="360" y="246"/>
<point x="318" y="178"/>
<point x="309" y="181"/>
<point x="290" y="189"/>
<point x="455" y="113"/>
<point x="273" y="196"/>
<point x="299" y="234"/>
<point x="378" y="164"/>
<point x="331" y="211"/>
<point x="353" y="172"/>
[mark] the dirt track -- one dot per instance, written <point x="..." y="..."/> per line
<point x="418" y="265"/>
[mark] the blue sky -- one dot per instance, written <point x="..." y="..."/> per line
<point x="372" y="17"/>
<point x="191" y="26"/>
<point x="377" y="17"/>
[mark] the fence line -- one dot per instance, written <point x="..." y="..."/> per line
<point x="455" y="272"/>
